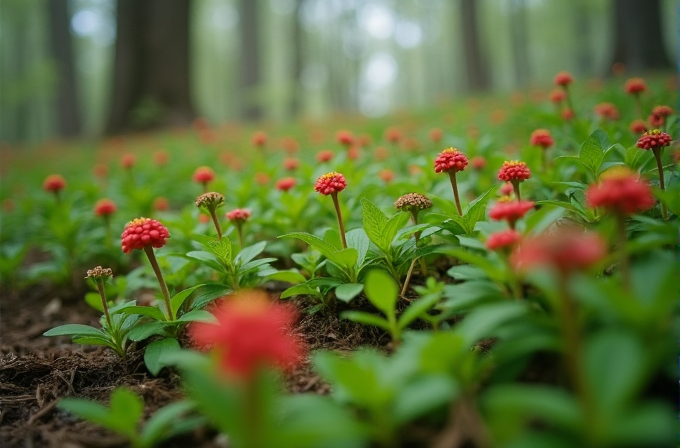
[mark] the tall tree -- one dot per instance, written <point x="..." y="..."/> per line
<point x="476" y="72"/>
<point x="66" y="102"/>
<point x="151" y="76"/>
<point x="250" y="75"/>
<point x="520" y="42"/>
<point x="297" y="63"/>
<point x="638" y="38"/>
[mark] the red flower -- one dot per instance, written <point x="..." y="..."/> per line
<point x="557" y="96"/>
<point x="542" y="138"/>
<point x="100" y="170"/>
<point x="291" y="164"/>
<point x="330" y="183"/>
<point x="450" y="159"/>
<point x="324" y="155"/>
<point x="567" y="114"/>
<point x="393" y="135"/>
<point x="160" y="158"/>
<point x="567" y="250"/>
<point x="436" y="135"/>
<point x="345" y="138"/>
<point x="203" y="175"/>
<point x="620" y="191"/>
<point x="285" y="184"/>
<point x="142" y="232"/>
<point x="262" y="178"/>
<point x="238" y="215"/>
<point x="353" y="153"/>
<point x="607" y="111"/>
<point x="364" y="140"/>
<point x="161" y="204"/>
<point x="563" y="79"/>
<point x="514" y="170"/>
<point x="653" y="139"/>
<point x="618" y="68"/>
<point x="507" y="189"/>
<point x="259" y="139"/>
<point x="510" y="210"/>
<point x="505" y="239"/>
<point x="659" y="115"/>
<point x="638" y="127"/>
<point x="105" y="207"/>
<point x="381" y="153"/>
<point x="54" y="183"/>
<point x="386" y="175"/>
<point x="128" y="161"/>
<point x="290" y="145"/>
<point x="251" y="334"/>
<point x="635" y="86"/>
<point x="478" y="162"/>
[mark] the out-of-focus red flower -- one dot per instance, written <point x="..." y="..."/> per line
<point x="563" y="79"/>
<point x="509" y="210"/>
<point x="105" y="207"/>
<point x="259" y="139"/>
<point x="557" y="96"/>
<point x="386" y="175"/>
<point x="414" y="169"/>
<point x="498" y="117"/>
<point x="54" y="183"/>
<point x="635" y="86"/>
<point x="567" y="114"/>
<point x="436" y="135"/>
<point x="638" y="127"/>
<point x="503" y="240"/>
<point x="607" y="111"/>
<point x="393" y="135"/>
<point x="203" y="175"/>
<point x="618" y="68"/>
<point x="142" y="232"/>
<point x="514" y="170"/>
<point x="161" y="204"/>
<point x="251" y="334"/>
<point x="290" y="145"/>
<point x="653" y="139"/>
<point x="478" y="163"/>
<point x="363" y="140"/>
<point x="450" y="159"/>
<point x="353" y="152"/>
<point x="261" y="178"/>
<point x="238" y="215"/>
<point x="8" y="205"/>
<point x="506" y="189"/>
<point x="381" y="153"/>
<point x="161" y="158"/>
<point x="330" y="183"/>
<point x="128" y="160"/>
<point x="324" y="155"/>
<point x="542" y="138"/>
<point x="345" y="138"/>
<point x="203" y="218"/>
<point x="285" y="184"/>
<point x="567" y="250"/>
<point x="620" y="191"/>
<point x="291" y="164"/>
<point x="100" y="170"/>
<point x="658" y="116"/>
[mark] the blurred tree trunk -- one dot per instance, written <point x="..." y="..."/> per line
<point x="151" y="72"/>
<point x="583" y="35"/>
<point x="66" y="103"/>
<point x="250" y="75"/>
<point x="520" y="42"/>
<point x="296" y="90"/>
<point x="638" y="37"/>
<point x="477" y="75"/>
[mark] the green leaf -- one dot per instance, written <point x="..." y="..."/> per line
<point x="248" y="253"/>
<point x="74" y="329"/>
<point x="207" y="293"/>
<point x="206" y="258"/>
<point x="155" y="356"/>
<point x="346" y="258"/>
<point x="221" y="248"/>
<point x="150" y="311"/>
<point x="94" y="340"/>
<point x="417" y="309"/>
<point x="592" y="150"/>
<point x="394" y="224"/>
<point x="197" y="316"/>
<point x="95" y="301"/>
<point x="300" y="290"/>
<point x="381" y="290"/>
<point x="358" y="239"/>
<point x="366" y="319"/>
<point x="162" y="423"/>
<point x="141" y="332"/>
<point x="475" y="211"/>
<point x="178" y="299"/>
<point x="422" y="395"/>
<point x="87" y="410"/>
<point x="317" y="243"/>
<point x="494" y="272"/>
<point x="487" y="319"/>
<point x="347" y="291"/>
<point x="125" y="410"/>
<point x="374" y="223"/>
<point x="293" y="277"/>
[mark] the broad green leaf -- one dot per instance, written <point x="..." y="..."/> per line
<point x="198" y="316"/>
<point x="178" y="299"/>
<point x="207" y="293"/>
<point x="163" y="422"/>
<point x="423" y="395"/>
<point x="150" y="311"/>
<point x="94" y="340"/>
<point x="206" y="258"/>
<point x="74" y="329"/>
<point x="346" y="258"/>
<point x="314" y="241"/>
<point x="365" y="318"/>
<point x="222" y="249"/>
<point x="299" y="290"/>
<point x="416" y="309"/>
<point x="290" y="276"/>
<point x="381" y="290"/>
<point x="394" y="224"/>
<point x="125" y="410"/>
<point x="375" y="224"/>
<point x="347" y="291"/>
<point x="592" y="150"/>
<point x="141" y="332"/>
<point x="494" y="272"/>
<point x="155" y="355"/>
<point x="358" y="240"/>
<point x="248" y="253"/>
<point x="87" y="410"/>
<point x="485" y="320"/>
<point x="475" y="211"/>
<point x="95" y="301"/>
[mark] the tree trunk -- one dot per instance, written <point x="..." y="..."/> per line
<point x="295" y="99"/>
<point x="250" y="72"/>
<point x="151" y="77"/>
<point x="583" y="36"/>
<point x="477" y="75"/>
<point x="638" y="37"/>
<point x="520" y="42"/>
<point x="66" y="103"/>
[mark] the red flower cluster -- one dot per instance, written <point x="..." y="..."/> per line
<point x="386" y="175"/>
<point x="635" y="86"/>
<point x="250" y="334"/>
<point x="567" y="250"/>
<point x="160" y="158"/>
<point x="345" y="138"/>
<point x="607" y="111"/>
<point x="393" y="135"/>
<point x="324" y="155"/>
<point x="161" y="204"/>
<point x="259" y="139"/>
<point x="478" y="162"/>
<point x="659" y="115"/>
<point x="620" y="191"/>
<point x="436" y="135"/>
<point x="653" y="139"/>
<point x="506" y="189"/>
<point x="330" y="183"/>
<point x="285" y="184"/>
<point x="238" y="215"/>
<point x="638" y="127"/>
<point x="542" y="138"/>
<point x="54" y="183"/>
<point x="510" y="210"/>
<point x="450" y="159"/>
<point x="291" y="164"/>
<point x="514" y="170"/>
<point x="203" y="175"/>
<point x="567" y="114"/>
<point x="557" y="96"/>
<point x="128" y="161"/>
<point x="142" y="232"/>
<point x="105" y="207"/>
<point x="563" y="79"/>
<point x="505" y="239"/>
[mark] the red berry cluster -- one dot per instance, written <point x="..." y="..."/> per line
<point x="330" y="183"/>
<point x="505" y="239"/>
<point x="142" y="232"/>
<point x="239" y="215"/>
<point x="620" y="191"/>
<point x="654" y="139"/>
<point x="514" y="170"/>
<point x="542" y="138"/>
<point x="54" y="183"/>
<point x="105" y="207"/>
<point x="450" y="159"/>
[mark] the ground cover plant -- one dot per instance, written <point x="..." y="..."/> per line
<point x="457" y="277"/>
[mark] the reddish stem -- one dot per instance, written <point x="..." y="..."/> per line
<point x="662" y="181"/>
<point x="217" y="224"/>
<point x="336" y="203"/>
<point x="454" y="186"/>
<point x="515" y="187"/>
<point x="164" y="289"/>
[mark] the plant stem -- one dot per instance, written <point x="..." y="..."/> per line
<point x="454" y="185"/>
<point x="105" y="305"/>
<point x="624" y="260"/>
<point x="408" y="277"/>
<point x="164" y="289"/>
<point x="336" y="203"/>
<point x="638" y="105"/>
<point x="213" y="215"/>
<point x="662" y="181"/>
<point x="570" y="105"/>
<point x="253" y="431"/>
<point x="239" y="229"/>
<point x="515" y="187"/>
